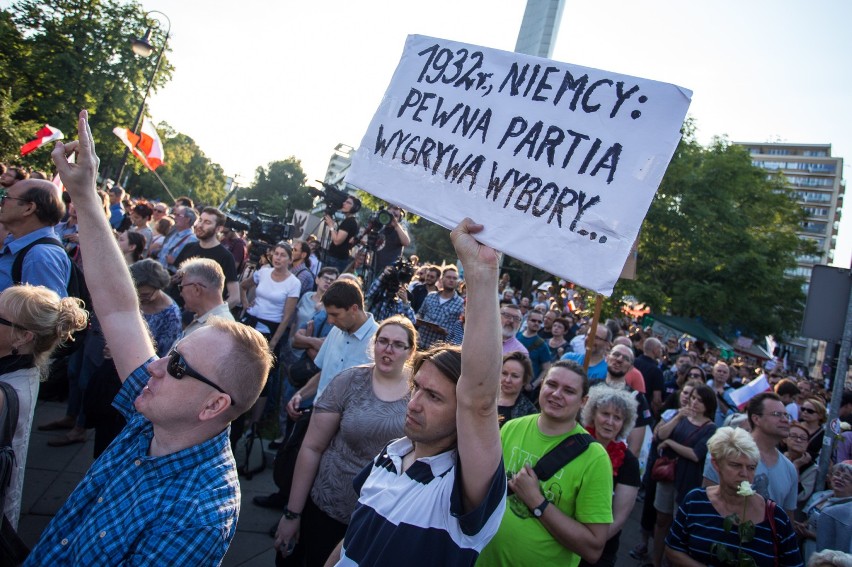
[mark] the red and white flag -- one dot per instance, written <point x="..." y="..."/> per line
<point x="146" y="145"/>
<point x="44" y="136"/>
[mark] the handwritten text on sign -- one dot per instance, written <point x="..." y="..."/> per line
<point x="559" y="162"/>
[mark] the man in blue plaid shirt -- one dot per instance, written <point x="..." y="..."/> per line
<point x="166" y="491"/>
<point x="440" y="310"/>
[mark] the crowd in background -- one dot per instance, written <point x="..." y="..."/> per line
<point x="189" y="263"/>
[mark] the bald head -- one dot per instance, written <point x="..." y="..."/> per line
<point x="652" y="348"/>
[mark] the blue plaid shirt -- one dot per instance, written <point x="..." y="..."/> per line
<point x="442" y="314"/>
<point x="133" y="509"/>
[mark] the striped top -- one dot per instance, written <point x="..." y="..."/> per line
<point x="416" y="517"/>
<point x="698" y="526"/>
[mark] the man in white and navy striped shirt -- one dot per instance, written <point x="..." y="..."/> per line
<point x="436" y="496"/>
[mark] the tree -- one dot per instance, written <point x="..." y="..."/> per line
<point x="186" y="171"/>
<point x="280" y="186"/>
<point x="62" y="56"/>
<point x="717" y="241"/>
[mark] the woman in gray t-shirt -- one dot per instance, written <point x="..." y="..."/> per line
<point x="361" y="411"/>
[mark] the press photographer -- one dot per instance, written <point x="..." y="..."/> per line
<point x="343" y="236"/>
<point x="390" y="237"/>
<point x="389" y="293"/>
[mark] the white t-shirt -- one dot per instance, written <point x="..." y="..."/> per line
<point x="270" y="296"/>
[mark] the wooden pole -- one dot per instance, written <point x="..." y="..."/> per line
<point x="593" y="332"/>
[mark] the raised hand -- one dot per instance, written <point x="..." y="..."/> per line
<point x="470" y="251"/>
<point x="79" y="178"/>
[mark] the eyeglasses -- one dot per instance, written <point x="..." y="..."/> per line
<point x="183" y="285"/>
<point x="179" y="367"/>
<point x="511" y="317"/>
<point x="384" y="343"/>
<point x="808" y="410"/>
<point x="536" y="321"/>
<point x="778" y="414"/>
<point x="797" y="437"/>
<point x="10" y="324"/>
<point x="5" y="195"/>
<point x="328" y="279"/>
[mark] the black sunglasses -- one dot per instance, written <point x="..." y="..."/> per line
<point x="10" y="324"/>
<point x="179" y="367"/>
<point x="808" y="410"/>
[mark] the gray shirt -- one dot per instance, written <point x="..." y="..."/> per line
<point x="779" y="483"/>
<point x="367" y="424"/>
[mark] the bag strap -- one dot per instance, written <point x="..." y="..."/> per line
<point x="10" y="415"/>
<point x="566" y="451"/>
<point x="18" y="264"/>
<point x="770" y="515"/>
<point x="8" y="425"/>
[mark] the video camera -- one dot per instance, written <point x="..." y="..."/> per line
<point x="264" y="230"/>
<point x="333" y="198"/>
<point x="392" y="278"/>
<point x="377" y="221"/>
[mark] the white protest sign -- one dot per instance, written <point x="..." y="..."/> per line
<point x="559" y="162"/>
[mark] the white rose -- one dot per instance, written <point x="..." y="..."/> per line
<point x="745" y="489"/>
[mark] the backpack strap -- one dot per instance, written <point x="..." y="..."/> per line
<point x="8" y="425"/>
<point x="568" y="449"/>
<point x="18" y="264"/>
<point x="9" y="415"/>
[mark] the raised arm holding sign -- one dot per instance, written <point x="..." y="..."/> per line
<point x="555" y="156"/>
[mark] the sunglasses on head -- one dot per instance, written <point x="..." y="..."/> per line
<point x="179" y="368"/>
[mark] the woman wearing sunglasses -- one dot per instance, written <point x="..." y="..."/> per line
<point x="33" y="321"/>
<point x="812" y="415"/>
<point x="360" y="411"/>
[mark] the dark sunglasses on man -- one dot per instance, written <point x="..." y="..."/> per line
<point x="179" y="367"/>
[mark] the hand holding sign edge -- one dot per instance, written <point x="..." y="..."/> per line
<point x="471" y="252"/>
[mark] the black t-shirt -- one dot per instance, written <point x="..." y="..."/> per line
<point x="391" y="250"/>
<point x="652" y="374"/>
<point x="218" y="254"/>
<point x="341" y="251"/>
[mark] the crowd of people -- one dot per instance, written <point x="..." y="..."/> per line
<point x="452" y="419"/>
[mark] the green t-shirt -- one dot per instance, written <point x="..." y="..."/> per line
<point x="582" y="490"/>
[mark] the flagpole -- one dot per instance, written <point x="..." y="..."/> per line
<point x="163" y="183"/>
<point x="141" y="111"/>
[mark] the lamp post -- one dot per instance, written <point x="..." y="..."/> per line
<point x="143" y="48"/>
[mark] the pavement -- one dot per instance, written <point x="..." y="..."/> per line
<point x="52" y="473"/>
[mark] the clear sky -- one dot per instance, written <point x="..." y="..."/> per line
<point x="262" y="80"/>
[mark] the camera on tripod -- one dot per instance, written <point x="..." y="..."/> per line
<point x="264" y="230"/>
<point x="333" y="198"/>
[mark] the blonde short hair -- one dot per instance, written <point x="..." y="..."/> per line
<point x="730" y="442"/>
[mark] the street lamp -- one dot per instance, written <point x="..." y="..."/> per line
<point x="142" y="47"/>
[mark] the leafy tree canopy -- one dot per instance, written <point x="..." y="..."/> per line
<point x="62" y="56"/>
<point x="717" y="241"/>
<point x="279" y="187"/>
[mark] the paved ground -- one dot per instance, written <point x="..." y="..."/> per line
<point x="53" y="472"/>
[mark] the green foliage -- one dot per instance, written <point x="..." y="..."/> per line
<point x="717" y="240"/>
<point x="14" y="133"/>
<point x="433" y="242"/>
<point x="62" y="56"/>
<point x="279" y="186"/>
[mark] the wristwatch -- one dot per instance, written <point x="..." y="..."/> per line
<point x="291" y="515"/>
<point x="538" y="511"/>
